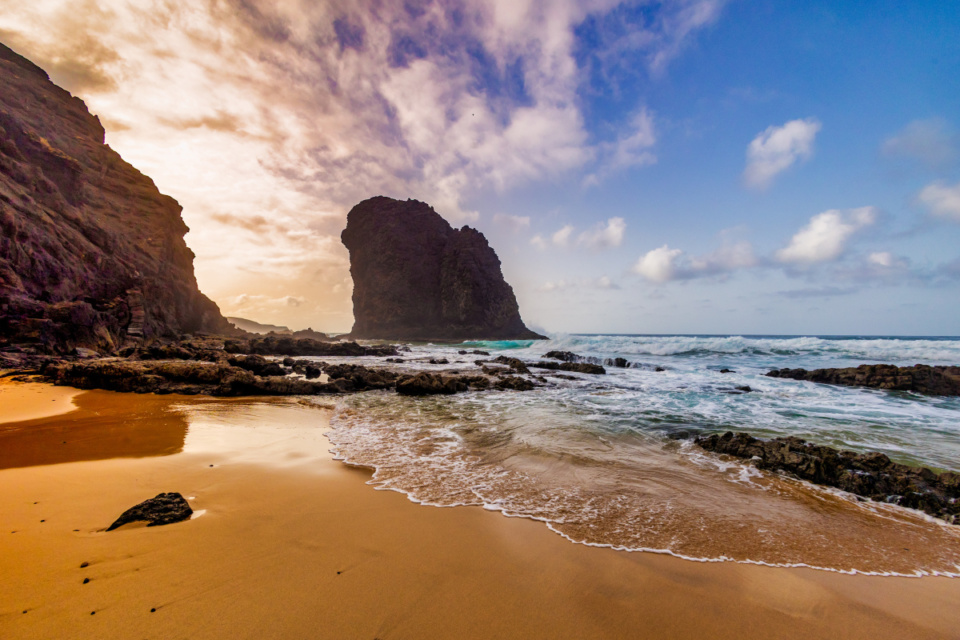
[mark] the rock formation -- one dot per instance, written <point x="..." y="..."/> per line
<point x="872" y="475"/>
<point x="417" y="278"/>
<point x="921" y="378"/>
<point x="91" y="253"/>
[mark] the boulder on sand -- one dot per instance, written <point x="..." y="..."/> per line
<point x="166" y="508"/>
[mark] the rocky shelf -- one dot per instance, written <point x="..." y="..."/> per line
<point x="871" y="475"/>
<point x="921" y="378"/>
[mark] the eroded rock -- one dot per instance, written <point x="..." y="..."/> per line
<point x="166" y="508"/>
<point x="872" y="475"/>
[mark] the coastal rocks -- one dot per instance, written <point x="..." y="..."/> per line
<point x="514" y="383"/>
<point x="91" y="253"/>
<point x="872" y="475"/>
<point x="576" y="367"/>
<point x="565" y="356"/>
<point x="166" y="508"/>
<point x="417" y="278"/>
<point x="426" y="384"/>
<point x="921" y="378"/>
<point x="514" y="363"/>
<point x="186" y="377"/>
<point x="289" y="346"/>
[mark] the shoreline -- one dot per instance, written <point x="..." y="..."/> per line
<point x="293" y="543"/>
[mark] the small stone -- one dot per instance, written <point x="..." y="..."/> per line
<point x="84" y="564"/>
<point x="86" y="580"/>
<point x="93" y="613"/>
<point x="153" y="610"/>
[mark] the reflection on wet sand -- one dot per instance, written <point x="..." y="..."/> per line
<point x="105" y="425"/>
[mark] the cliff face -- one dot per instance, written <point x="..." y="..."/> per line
<point x="91" y="253"/>
<point x="417" y="278"/>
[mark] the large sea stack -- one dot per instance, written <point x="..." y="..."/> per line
<point x="417" y="278"/>
<point x="91" y="253"/>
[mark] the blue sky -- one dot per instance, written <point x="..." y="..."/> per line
<point x="687" y="166"/>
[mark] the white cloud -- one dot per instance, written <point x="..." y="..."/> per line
<point x="539" y="242"/>
<point x="826" y="235"/>
<point x="776" y="149"/>
<point x="942" y="200"/>
<point x="561" y="237"/>
<point x="658" y="265"/>
<point x="932" y="142"/>
<point x="604" y="235"/>
<point x="514" y="223"/>
<point x="665" y="264"/>
<point x="881" y="259"/>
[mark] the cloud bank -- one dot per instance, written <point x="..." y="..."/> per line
<point x="290" y="112"/>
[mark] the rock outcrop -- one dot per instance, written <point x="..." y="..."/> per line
<point x="921" y="378"/>
<point x="91" y="253"/>
<point x="417" y="278"/>
<point x="872" y="475"/>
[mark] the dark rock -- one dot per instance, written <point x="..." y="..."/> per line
<point x="921" y="378"/>
<point x="621" y="363"/>
<point x="659" y="369"/>
<point x="727" y="371"/>
<point x="425" y="384"/>
<point x="872" y="475"/>
<point x="476" y="352"/>
<point x="417" y="278"/>
<point x="394" y="360"/>
<point x="288" y="346"/>
<point x="565" y="356"/>
<point x="514" y="383"/>
<point x="745" y="389"/>
<point x="166" y="508"/>
<point x="514" y="363"/>
<point x="91" y="253"/>
<point x="439" y="361"/>
<point x="583" y="367"/>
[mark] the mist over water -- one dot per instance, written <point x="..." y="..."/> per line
<point x="607" y="460"/>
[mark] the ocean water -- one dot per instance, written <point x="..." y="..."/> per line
<point x="608" y="460"/>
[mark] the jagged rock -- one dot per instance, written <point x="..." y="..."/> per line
<point x="166" y="508"/>
<point x="921" y="378"/>
<point x="91" y="253"/>
<point x="425" y="384"/>
<point x="439" y="361"/>
<point x="515" y="383"/>
<point x="258" y="365"/>
<point x="726" y="371"/>
<point x="417" y="278"/>
<point x="289" y="346"/>
<point x="621" y="363"/>
<point x="872" y="475"/>
<point x="514" y="363"/>
<point x="476" y="352"/>
<point x="565" y="356"/>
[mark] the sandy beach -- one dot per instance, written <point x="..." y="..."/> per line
<point x="287" y="542"/>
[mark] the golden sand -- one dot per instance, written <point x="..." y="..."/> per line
<point x="293" y="544"/>
<point x="21" y="401"/>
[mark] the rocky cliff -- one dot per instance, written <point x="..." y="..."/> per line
<point x="417" y="278"/>
<point x="91" y="253"/>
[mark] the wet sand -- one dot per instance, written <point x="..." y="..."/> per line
<point x="293" y="544"/>
<point x="20" y="401"/>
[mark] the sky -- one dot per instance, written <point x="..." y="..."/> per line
<point x="684" y="166"/>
